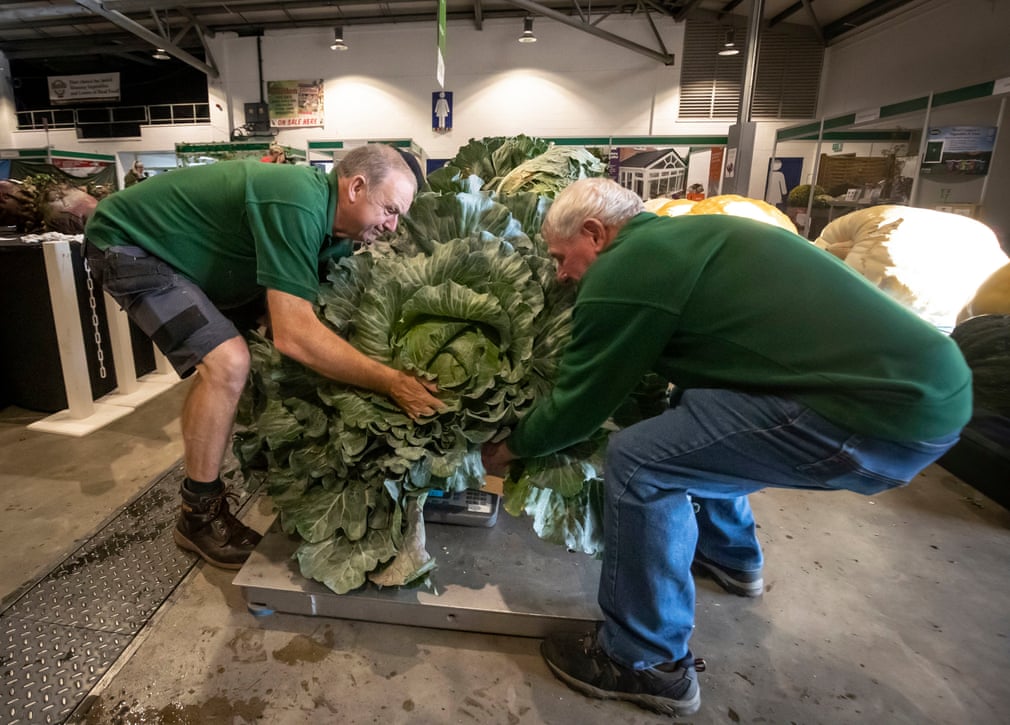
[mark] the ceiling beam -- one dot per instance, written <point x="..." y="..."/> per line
<point x="860" y="16"/>
<point x="132" y="26"/>
<point x="664" y="58"/>
<point x="808" y="4"/>
<point x="478" y="15"/>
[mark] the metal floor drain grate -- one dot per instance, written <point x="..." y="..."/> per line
<point x="64" y="633"/>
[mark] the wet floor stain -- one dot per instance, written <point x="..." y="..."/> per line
<point x="305" y="649"/>
<point x="247" y="646"/>
<point x="217" y="709"/>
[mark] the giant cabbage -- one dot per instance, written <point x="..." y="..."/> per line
<point x="465" y="294"/>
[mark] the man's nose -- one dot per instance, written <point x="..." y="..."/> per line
<point x="391" y="224"/>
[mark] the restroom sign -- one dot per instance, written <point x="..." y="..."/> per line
<point x="441" y="111"/>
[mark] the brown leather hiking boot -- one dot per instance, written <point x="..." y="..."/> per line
<point x="206" y="526"/>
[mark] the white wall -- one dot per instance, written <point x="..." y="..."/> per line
<point x="932" y="46"/>
<point x="936" y="45"/>
<point x="567" y="84"/>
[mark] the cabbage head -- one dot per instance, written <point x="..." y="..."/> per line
<point x="346" y="467"/>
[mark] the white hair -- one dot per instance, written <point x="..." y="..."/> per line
<point x="596" y="198"/>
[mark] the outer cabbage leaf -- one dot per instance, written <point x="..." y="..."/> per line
<point x="552" y="171"/>
<point x="563" y="493"/>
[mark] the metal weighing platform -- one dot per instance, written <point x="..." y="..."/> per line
<point x="501" y="580"/>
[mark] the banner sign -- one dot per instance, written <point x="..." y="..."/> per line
<point x="440" y="49"/>
<point x="90" y="87"/>
<point x="295" y="104"/>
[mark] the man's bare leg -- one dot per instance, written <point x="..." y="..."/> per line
<point x="206" y="525"/>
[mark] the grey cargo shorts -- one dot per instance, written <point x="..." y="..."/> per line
<point x="169" y="308"/>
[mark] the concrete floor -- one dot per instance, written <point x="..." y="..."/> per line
<point x="890" y="609"/>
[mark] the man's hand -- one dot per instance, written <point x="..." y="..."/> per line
<point x="414" y="395"/>
<point x="496" y="458"/>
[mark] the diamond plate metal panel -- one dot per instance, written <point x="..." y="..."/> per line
<point x="118" y="579"/>
<point x="69" y="628"/>
<point x="48" y="669"/>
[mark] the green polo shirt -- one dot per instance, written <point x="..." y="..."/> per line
<point x="233" y="227"/>
<point x="714" y="301"/>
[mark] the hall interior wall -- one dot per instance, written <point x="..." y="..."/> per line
<point x="568" y="84"/>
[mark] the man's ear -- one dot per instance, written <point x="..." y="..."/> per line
<point x="597" y="231"/>
<point x="357" y="186"/>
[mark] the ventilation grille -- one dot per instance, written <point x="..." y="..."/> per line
<point x="786" y="83"/>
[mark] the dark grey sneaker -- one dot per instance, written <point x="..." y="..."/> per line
<point x="734" y="581"/>
<point x="580" y="662"/>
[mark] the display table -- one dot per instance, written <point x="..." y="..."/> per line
<point x="60" y="352"/>
<point x="982" y="456"/>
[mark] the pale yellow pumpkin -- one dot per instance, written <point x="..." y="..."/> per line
<point x="671" y="207"/>
<point x="930" y="261"/>
<point x="731" y="204"/>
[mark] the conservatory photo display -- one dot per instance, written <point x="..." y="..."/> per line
<point x="470" y="383"/>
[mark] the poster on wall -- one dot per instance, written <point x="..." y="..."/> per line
<point x="295" y="104"/>
<point x="87" y="87"/>
<point x="715" y="170"/>
<point x="959" y="150"/>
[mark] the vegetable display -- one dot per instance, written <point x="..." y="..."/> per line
<point x="465" y="294"/>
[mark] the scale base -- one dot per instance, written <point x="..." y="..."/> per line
<point x="499" y="580"/>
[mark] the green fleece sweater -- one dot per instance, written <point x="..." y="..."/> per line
<point x="714" y="301"/>
<point x="234" y="227"/>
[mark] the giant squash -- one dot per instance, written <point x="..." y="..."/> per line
<point x="930" y="261"/>
<point x="731" y="204"/>
<point x="991" y="298"/>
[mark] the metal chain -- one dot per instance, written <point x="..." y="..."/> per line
<point x="94" y="320"/>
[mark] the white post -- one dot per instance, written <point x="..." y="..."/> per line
<point x="66" y="316"/>
<point x="122" y="347"/>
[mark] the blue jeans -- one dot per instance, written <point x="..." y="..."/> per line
<point x="712" y="449"/>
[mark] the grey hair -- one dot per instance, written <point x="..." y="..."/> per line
<point x="374" y="161"/>
<point x="596" y="198"/>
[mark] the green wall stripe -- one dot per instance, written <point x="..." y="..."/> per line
<point x="81" y="155"/>
<point x="583" y="141"/>
<point x="979" y="90"/>
<point x="897" y="109"/>
<point x="668" y="141"/>
<point x="195" y="148"/>
<point x="846" y="120"/>
<point x="784" y="134"/>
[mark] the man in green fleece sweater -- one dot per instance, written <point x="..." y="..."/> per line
<point x="789" y="369"/>
<point x="188" y="255"/>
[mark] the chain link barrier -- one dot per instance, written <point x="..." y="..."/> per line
<point x="93" y="304"/>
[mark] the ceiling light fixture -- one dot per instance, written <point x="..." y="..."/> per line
<point x="338" y="39"/>
<point x="528" y="36"/>
<point x="160" y="54"/>
<point x="729" y="46"/>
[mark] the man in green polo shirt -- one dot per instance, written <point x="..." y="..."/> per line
<point x="789" y="369"/>
<point x="189" y="253"/>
